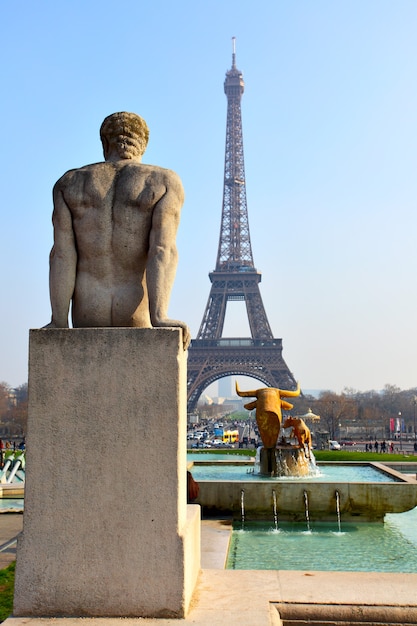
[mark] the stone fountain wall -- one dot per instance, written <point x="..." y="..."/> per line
<point x="358" y="501"/>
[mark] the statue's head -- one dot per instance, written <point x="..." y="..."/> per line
<point x="124" y="136"/>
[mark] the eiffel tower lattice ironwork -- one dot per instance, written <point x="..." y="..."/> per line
<point x="235" y="278"/>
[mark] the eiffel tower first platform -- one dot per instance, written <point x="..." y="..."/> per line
<point x="235" y="278"/>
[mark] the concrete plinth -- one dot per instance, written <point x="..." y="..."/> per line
<point x="107" y="531"/>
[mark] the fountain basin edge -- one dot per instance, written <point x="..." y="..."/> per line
<point x="359" y="501"/>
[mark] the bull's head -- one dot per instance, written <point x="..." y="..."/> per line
<point x="268" y="405"/>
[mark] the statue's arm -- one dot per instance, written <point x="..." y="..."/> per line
<point x="62" y="261"/>
<point x="163" y="255"/>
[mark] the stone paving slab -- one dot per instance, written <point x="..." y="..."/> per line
<point x="253" y="598"/>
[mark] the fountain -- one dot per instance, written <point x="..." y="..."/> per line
<point x="242" y="505"/>
<point x="305" y="494"/>
<point x="367" y="491"/>
<point x="274" y="508"/>
<point x="279" y="457"/>
<point x="339" y="523"/>
<point x="13" y="469"/>
<point x="12" y="481"/>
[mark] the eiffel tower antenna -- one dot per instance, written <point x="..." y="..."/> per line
<point x="234" y="53"/>
<point x="235" y="278"/>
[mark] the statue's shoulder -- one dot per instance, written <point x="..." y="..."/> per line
<point x="80" y="172"/>
<point x="156" y="171"/>
<point x="162" y="175"/>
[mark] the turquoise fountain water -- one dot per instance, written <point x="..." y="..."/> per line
<point x="362" y="547"/>
<point x="323" y="473"/>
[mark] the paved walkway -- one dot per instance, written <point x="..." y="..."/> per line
<point x="11" y="525"/>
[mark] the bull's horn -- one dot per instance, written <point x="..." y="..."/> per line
<point x="290" y="394"/>
<point x="244" y="394"/>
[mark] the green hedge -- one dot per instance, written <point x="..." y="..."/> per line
<point x="320" y="455"/>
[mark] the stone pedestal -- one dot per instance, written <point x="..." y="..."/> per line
<point x="284" y="460"/>
<point x="107" y="531"/>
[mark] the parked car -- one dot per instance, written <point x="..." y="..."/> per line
<point x="334" y="445"/>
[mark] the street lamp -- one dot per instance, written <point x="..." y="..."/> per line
<point x="399" y="419"/>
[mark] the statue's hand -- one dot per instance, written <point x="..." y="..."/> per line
<point x="164" y="323"/>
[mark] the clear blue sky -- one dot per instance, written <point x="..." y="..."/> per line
<point x="330" y="139"/>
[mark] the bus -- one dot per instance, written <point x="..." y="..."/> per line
<point x="230" y="436"/>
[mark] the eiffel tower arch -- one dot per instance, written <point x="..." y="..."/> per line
<point x="212" y="356"/>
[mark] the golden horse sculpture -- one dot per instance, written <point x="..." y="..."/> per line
<point x="269" y="405"/>
<point x="300" y="430"/>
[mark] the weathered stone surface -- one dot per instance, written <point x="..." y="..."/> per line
<point x="107" y="531"/>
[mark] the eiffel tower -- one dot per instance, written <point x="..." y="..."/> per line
<point x="235" y="278"/>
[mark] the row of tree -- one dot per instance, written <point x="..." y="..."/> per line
<point x="372" y="413"/>
<point x="352" y="414"/>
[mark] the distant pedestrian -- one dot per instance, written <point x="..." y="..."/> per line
<point x="383" y="446"/>
<point x="376" y="446"/>
<point x="391" y="447"/>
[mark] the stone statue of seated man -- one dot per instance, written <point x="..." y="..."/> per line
<point x="114" y="256"/>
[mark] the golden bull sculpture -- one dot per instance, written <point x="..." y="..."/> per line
<point x="269" y="405"/>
